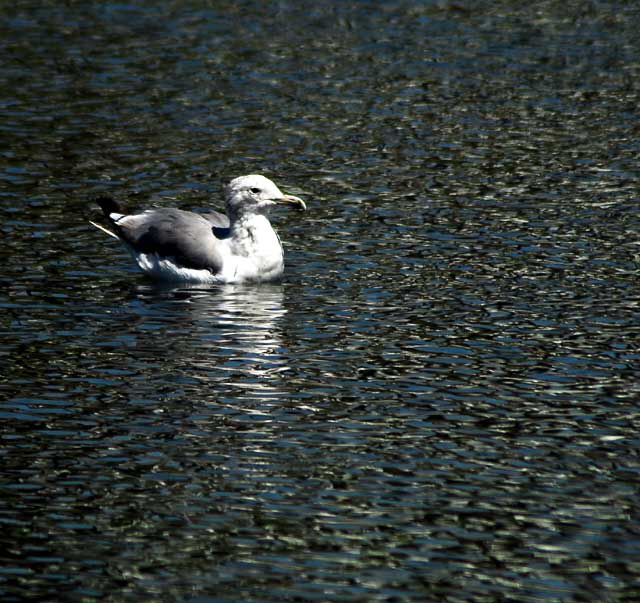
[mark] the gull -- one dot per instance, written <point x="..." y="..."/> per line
<point x="180" y="246"/>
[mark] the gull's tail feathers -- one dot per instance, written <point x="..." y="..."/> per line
<point x="103" y="229"/>
<point x="109" y="207"/>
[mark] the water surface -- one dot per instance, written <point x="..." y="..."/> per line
<point x="440" y="400"/>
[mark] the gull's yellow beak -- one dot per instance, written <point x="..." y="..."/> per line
<point x="291" y="200"/>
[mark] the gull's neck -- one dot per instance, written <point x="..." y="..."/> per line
<point x="252" y="234"/>
<point x="255" y="247"/>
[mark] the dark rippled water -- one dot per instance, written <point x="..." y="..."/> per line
<point x="440" y="400"/>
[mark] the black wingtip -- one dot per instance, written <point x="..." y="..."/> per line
<point x="108" y="205"/>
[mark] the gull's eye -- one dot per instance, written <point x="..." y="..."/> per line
<point x="255" y="190"/>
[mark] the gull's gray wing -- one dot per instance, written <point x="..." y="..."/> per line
<point x="217" y="219"/>
<point x="220" y="223"/>
<point x="185" y="237"/>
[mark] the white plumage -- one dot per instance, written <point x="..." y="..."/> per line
<point x="175" y="245"/>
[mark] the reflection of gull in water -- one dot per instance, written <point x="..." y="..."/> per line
<point x="236" y="338"/>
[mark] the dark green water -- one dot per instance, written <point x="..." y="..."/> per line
<point x="440" y="402"/>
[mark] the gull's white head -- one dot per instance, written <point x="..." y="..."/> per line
<point x="256" y="194"/>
